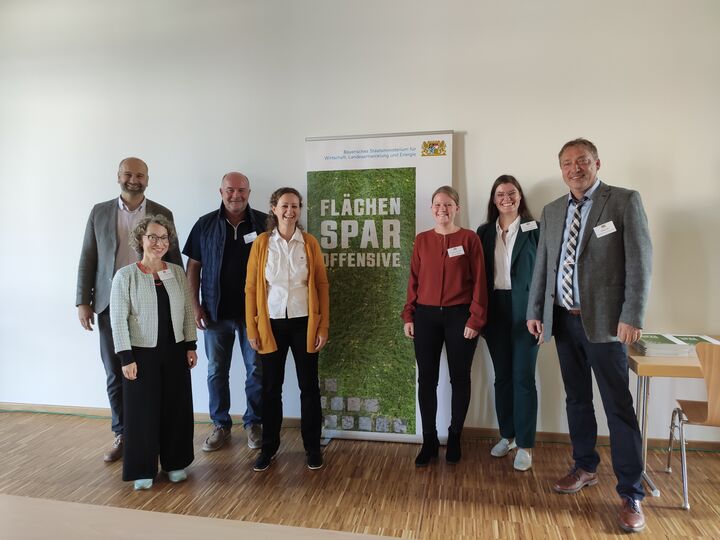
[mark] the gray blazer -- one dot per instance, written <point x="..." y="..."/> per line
<point x="613" y="271"/>
<point x="97" y="258"/>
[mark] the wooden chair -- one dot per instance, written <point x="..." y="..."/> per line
<point x="697" y="413"/>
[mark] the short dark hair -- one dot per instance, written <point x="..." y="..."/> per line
<point x="580" y="142"/>
<point x="272" y="221"/>
<point x="493" y="213"/>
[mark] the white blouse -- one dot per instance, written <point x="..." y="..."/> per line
<point x="286" y="273"/>
<point x="503" y="254"/>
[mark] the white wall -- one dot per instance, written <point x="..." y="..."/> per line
<point x="199" y="88"/>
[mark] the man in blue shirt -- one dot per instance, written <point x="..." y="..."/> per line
<point x="590" y="288"/>
<point x="218" y="249"/>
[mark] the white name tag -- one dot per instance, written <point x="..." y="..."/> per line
<point x="528" y="226"/>
<point x="604" y="229"/>
<point x="249" y="237"/>
<point x="166" y="274"/>
<point x="455" y="251"/>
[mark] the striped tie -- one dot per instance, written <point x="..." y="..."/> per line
<point x="568" y="266"/>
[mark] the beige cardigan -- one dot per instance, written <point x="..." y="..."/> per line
<point x="257" y="318"/>
<point x="133" y="308"/>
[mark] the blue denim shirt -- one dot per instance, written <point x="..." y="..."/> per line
<point x="206" y="243"/>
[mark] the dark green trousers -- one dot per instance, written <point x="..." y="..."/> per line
<point x="514" y="355"/>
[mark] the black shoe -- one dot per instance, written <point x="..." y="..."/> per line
<point x="429" y="450"/>
<point x="315" y="460"/>
<point x="453" y="452"/>
<point x="263" y="461"/>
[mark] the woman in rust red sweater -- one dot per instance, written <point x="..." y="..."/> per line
<point x="446" y="304"/>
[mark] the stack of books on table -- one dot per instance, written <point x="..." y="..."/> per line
<point x="693" y="340"/>
<point x="671" y="344"/>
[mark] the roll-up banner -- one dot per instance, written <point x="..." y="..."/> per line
<point x="362" y="196"/>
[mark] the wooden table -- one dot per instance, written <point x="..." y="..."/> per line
<point x="656" y="366"/>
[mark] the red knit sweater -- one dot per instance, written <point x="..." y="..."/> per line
<point x="437" y="278"/>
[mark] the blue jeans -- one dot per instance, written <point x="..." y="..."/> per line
<point x="219" y="340"/>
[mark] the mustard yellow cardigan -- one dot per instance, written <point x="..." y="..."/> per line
<point x="256" y="308"/>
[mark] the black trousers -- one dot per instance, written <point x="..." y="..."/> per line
<point x="113" y="370"/>
<point x="290" y="334"/>
<point x="514" y="355"/>
<point x="158" y="413"/>
<point x="435" y="326"/>
<point x="579" y="359"/>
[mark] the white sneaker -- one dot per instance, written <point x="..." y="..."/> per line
<point x="523" y="460"/>
<point x="502" y="448"/>
<point x="143" y="483"/>
<point x="178" y="475"/>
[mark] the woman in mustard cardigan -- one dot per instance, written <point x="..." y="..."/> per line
<point x="287" y="306"/>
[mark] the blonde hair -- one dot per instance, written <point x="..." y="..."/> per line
<point x="449" y="191"/>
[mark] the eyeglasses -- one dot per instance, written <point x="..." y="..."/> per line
<point x="580" y="162"/>
<point x="154" y="238"/>
<point x="500" y="195"/>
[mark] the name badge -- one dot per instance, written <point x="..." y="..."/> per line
<point x="249" y="237"/>
<point x="528" y="226"/>
<point x="604" y="229"/>
<point x="455" y="251"/>
<point x="165" y="275"/>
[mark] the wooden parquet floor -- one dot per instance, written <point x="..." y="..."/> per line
<point x="365" y="487"/>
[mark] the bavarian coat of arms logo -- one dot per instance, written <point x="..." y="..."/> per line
<point x="434" y="148"/>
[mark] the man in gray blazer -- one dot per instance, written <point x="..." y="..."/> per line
<point x="590" y="288"/>
<point x="105" y="250"/>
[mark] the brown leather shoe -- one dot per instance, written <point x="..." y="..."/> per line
<point x="116" y="450"/>
<point x="630" y="516"/>
<point x="575" y="480"/>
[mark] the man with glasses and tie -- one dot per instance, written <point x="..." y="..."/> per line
<point x="105" y="250"/>
<point x="590" y="288"/>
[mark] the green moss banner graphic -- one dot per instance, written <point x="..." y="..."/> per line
<point x="362" y="208"/>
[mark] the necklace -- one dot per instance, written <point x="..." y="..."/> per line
<point x="145" y="270"/>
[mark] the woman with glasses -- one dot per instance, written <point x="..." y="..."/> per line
<point x="446" y="305"/>
<point x="287" y="307"/>
<point x="153" y="328"/>
<point x="509" y="239"/>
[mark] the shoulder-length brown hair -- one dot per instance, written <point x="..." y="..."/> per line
<point x="272" y="221"/>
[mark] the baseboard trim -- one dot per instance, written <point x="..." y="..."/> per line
<point x="101" y="412"/>
<point x="92" y="412"/>
<point x="602" y="440"/>
<point x="468" y="432"/>
<point x="541" y="436"/>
